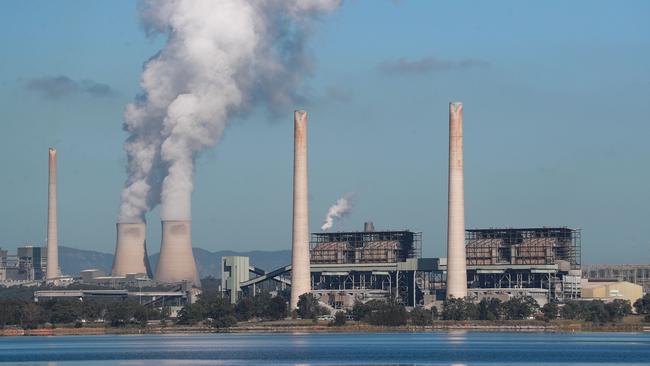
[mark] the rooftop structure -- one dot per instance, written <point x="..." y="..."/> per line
<point x="523" y="246"/>
<point x="365" y="247"/>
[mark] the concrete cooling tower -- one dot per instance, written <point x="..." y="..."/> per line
<point x="456" y="265"/>
<point x="300" y="271"/>
<point x="131" y="250"/>
<point x="53" y="270"/>
<point x="176" y="261"/>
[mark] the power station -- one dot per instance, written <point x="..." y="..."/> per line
<point x="340" y="268"/>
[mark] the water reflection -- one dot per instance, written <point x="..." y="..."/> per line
<point x="457" y="337"/>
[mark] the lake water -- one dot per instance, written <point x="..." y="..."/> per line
<point x="430" y="348"/>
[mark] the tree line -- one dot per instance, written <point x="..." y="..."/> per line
<point x="29" y="314"/>
<point x="214" y="310"/>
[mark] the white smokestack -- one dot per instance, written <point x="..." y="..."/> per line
<point x="131" y="250"/>
<point x="300" y="270"/>
<point x="456" y="262"/>
<point x="53" y="270"/>
<point x="220" y="58"/>
<point x="176" y="260"/>
<point x="339" y="209"/>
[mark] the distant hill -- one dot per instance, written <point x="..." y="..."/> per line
<point x="73" y="260"/>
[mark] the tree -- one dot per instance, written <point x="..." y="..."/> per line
<point x="30" y="315"/>
<point x="421" y="316"/>
<point x="220" y="312"/>
<point x="642" y="305"/>
<point x="339" y="318"/>
<point x="277" y="308"/>
<point x="389" y="314"/>
<point x="360" y="310"/>
<point x="596" y="312"/>
<point x="573" y="310"/>
<point x="618" y="309"/>
<point x="309" y="307"/>
<point x="489" y="309"/>
<point x="190" y="314"/>
<point x="434" y="312"/>
<point x="550" y="311"/>
<point x="459" y="309"/>
<point x="245" y="309"/>
<point x="64" y="311"/>
<point x="520" y="307"/>
<point x="119" y="313"/>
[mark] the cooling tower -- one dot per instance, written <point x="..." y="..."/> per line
<point x="176" y="261"/>
<point x="52" y="243"/>
<point x="300" y="272"/>
<point x="131" y="250"/>
<point x="456" y="265"/>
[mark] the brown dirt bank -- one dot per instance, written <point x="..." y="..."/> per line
<point x="292" y="326"/>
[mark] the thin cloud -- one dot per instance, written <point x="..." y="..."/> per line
<point x="56" y="87"/>
<point x="404" y="66"/>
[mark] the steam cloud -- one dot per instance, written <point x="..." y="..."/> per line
<point x="339" y="209"/>
<point x="220" y="58"/>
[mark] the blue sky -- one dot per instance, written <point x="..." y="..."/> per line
<point x="557" y="106"/>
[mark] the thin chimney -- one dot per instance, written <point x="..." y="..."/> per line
<point x="52" y="243"/>
<point x="300" y="270"/>
<point x="456" y="265"/>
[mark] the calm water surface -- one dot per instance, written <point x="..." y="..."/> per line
<point x="435" y="348"/>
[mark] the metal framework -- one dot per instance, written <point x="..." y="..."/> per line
<point x="529" y="246"/>
<point x="635" y="273"/>
<point x="365" y="247"/>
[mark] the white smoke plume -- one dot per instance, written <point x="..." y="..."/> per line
<point x="221" y="58"/>
<point x="339" y="209"/>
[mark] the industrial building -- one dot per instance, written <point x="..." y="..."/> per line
<point x="29" y="264"/>
<point x="519" y="260"/>
<point x="609" y="291"/>
<point x="351" y="266"/>
<point x="635" y="273"/>
<point x="234" y="270"/>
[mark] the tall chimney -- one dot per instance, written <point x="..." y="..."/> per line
<point x="300" y="271"/>
<point x="131" y="250"/>
<point x="176" y="261"/>
<point x="52" y="243"/>
<point x="456" y="265"/>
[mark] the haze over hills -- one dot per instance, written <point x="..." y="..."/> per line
<point x="73" y="260"/>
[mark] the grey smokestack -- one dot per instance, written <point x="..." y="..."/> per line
<point x="131" y="250"/>
<point x="456" y="265"/>
<point x="300" y="271"/>
<point x="52" y="223"/>
<point x="368" y="227"/>
<point x="176" y="261"/>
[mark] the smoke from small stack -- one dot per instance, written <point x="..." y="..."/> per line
<point x="338" y="210"/>
<point x="221" y="58"/>
<point x="456" y="256"/>
<point x="53" y="270"/>
<point x="300" y="269"/>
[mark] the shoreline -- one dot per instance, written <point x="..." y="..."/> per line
<point x="528" y="327"/>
